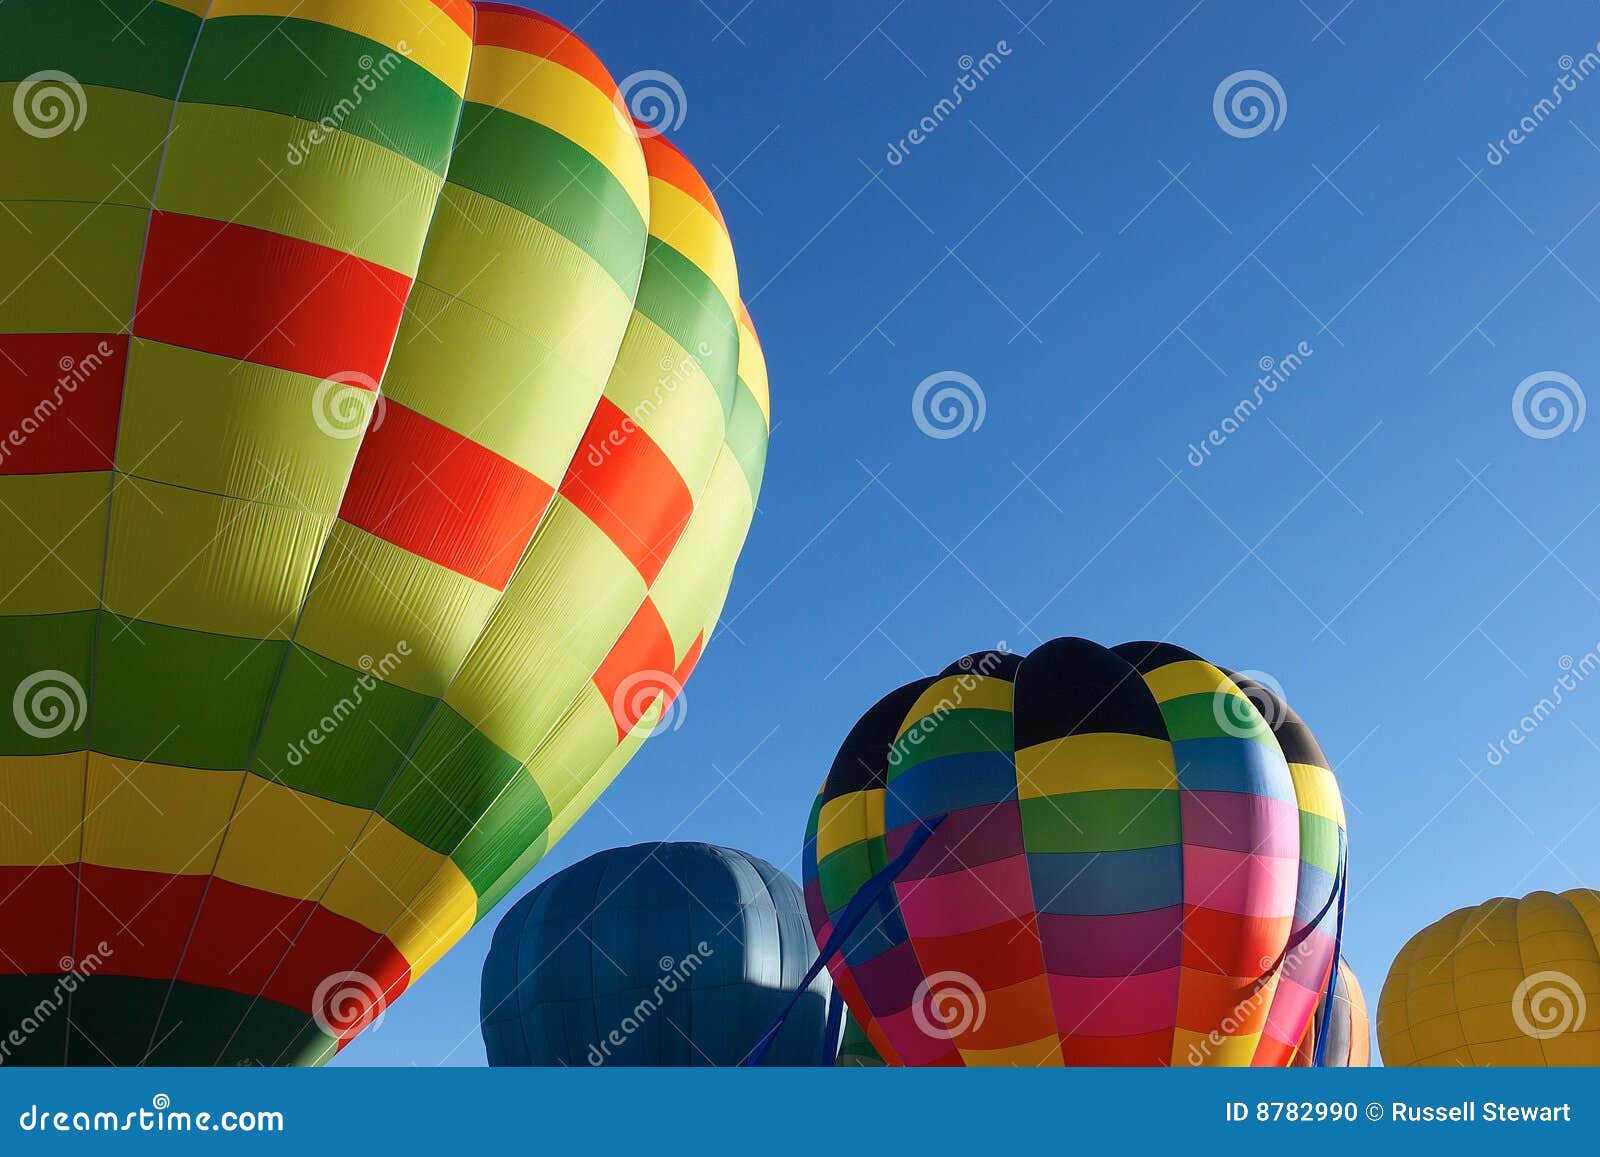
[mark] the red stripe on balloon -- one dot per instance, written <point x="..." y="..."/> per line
<point x="265" y="298"/>
<point x="506" y="26"/>
<point x="436" y="493"/>
<point x="628" y="488"/>
<point x="638" y="667"/>
<point x="60" y="395"/>
<point x="36" y="917"/>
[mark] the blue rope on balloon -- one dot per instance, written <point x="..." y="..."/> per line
<point x="849" y="920"/>
<point x="1338" y="952"/>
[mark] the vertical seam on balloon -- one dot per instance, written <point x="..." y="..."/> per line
<point x="111" y="490"/>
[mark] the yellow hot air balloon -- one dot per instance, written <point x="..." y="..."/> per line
<point x="1510" y="982"/>
<point x="379" y="425"/>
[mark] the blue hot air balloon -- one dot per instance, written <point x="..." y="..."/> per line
<point x="662" y="954"/>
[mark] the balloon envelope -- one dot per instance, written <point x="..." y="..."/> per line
<point x="387" y="426"/>
<point x="1137" y="863"/>
<point x="1350" y="1035"/>
<point x="1510" y="982"/>
<point x="661" y="955"/>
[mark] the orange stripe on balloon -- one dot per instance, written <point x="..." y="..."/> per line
<point x="666" y="163"/>
<point x="628" y="488"/>
<point x="438" y="494"/>
<point x="458" y="10"/>
<point x="506" y="26"/>
<point x="258" y="296"/>
<point x="637" y="668"/>
<point x="60" y="394"/>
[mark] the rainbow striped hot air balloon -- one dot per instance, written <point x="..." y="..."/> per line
<point x="385" y="425"/>
<point x="1135" y="860"/>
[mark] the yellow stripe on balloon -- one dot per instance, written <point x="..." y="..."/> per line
<point x="169" y="549"/>
<point x="283" y="841"/>
<point x="1099" y="761"/>
<point x="958" y="692"/>
<point x="540" y="90"/>
<point x="150" y="817"/>
<point x="689" y="227"/>
<point x="849" y="819"/>
<point x="1189" y="677"/>
<point x="44" y="804"/>
<point x="1316" y="791"/>
<point x="442" y="914"/>
<point x="419" y="30"/>
<point x="54" y="530"/>
<point x="350" y="613"/>
<point x="385" y="865"/>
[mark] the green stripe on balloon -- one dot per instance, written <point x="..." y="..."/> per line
<point x="310" y="70"/>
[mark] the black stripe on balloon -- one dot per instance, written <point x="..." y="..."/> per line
<point x="1076" y="687"/>
<point x="863" y="761"/>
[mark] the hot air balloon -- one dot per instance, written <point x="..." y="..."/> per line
<point x="1510" y="982"/>
<point x="1087" y="856"/>
<point x="1349" y="1043"/>
<point x="385" y="424"/>
<point x="661" y="955"/>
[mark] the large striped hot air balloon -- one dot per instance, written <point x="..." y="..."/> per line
<point x="384" y="426"/>
<point x="664" y="955"/>
<point x="1135" y="859"/>
<point x="1509" y="982"/>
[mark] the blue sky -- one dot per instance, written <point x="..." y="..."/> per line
<point x="1084" y="241"/>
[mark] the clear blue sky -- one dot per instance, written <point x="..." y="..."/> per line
<point x="1083" y="239"/>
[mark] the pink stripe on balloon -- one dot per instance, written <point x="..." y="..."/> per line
<point x="1114" y="1005"/>
<point x="1239" y="883"/>
<point x="964" y="901"/>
